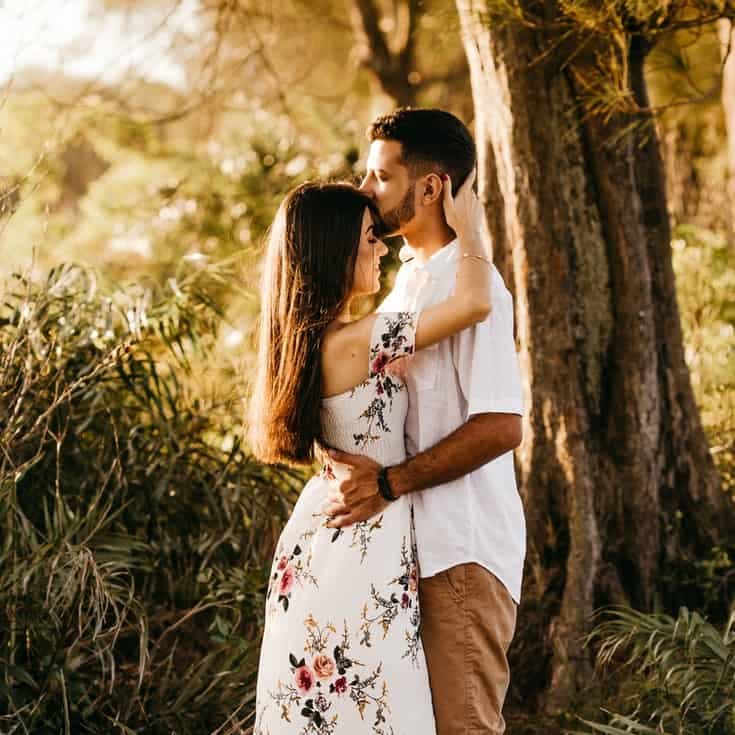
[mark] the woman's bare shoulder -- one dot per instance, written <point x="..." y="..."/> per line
<point x="345" y="354"/>
<point x="348" y="338"/>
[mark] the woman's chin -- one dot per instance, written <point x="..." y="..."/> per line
<point x="364" y="293"/>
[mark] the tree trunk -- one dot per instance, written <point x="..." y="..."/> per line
<point x="614" y="469"/>
<point x="684" y="190"/>
<point x="726" y="30"/>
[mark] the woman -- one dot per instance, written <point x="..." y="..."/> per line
<point x="341" y="651"/>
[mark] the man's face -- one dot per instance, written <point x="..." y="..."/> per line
<point x="388" y="182"/>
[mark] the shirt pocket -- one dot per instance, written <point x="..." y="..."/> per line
<point x="424" y="368"/>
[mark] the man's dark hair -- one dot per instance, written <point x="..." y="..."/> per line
<point x="430" y="139"/>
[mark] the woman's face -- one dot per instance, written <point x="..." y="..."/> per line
<point x="367" y="266"/>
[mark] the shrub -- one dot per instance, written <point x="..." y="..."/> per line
<point x="135" y="531"/>
<point x="680" y="673"/>
<point x="704" y="262"/>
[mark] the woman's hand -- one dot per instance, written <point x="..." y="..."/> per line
<point x="464" y="213"/>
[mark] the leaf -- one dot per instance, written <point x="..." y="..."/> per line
<point x="20" y="674"/>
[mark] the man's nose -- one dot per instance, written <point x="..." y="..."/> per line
<point x="366" y="186"/>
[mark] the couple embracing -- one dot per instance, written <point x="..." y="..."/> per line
<point x="392" y="598"/>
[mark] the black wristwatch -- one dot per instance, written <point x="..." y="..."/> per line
<point x="384" y="487"/>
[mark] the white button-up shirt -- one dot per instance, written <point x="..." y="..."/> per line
<point x="479" y="517"/>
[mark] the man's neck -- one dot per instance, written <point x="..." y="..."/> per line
<point x="430" y="240"/>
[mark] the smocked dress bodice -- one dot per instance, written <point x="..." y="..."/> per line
<point x="369" y="419"/>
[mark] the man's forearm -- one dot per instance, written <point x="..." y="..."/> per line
<point x="477" y="442"/>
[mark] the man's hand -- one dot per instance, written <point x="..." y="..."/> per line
<point x="357" y="498"/>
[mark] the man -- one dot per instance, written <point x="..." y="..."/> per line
<point x="464" y="421"/>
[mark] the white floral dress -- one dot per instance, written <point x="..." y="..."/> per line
<point x="341" y="651"/>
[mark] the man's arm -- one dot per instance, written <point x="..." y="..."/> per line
<point x="483" y="438"/>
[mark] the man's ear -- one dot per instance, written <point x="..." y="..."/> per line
<point x="432" y="189"/>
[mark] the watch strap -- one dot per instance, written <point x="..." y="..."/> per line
<point x="384" y="487"/>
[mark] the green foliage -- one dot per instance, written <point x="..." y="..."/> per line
<point x="135" y="531"/>
<point x="170" y="201"/>
<point x="134" y="199"/>
<point x="680" y="673"/>
<point x="704" y="263"/>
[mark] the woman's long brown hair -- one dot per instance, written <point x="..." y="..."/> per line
<point x="308" y="275"/>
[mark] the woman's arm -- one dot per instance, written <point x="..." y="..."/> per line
<point x="470" y="301"/>
<point x="349" y="347"/>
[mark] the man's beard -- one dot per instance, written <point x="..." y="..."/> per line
<point x="403" y="212"/>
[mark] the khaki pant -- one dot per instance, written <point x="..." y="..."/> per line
<point x="467" y="623"/>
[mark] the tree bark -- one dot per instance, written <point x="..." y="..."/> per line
<point x="614" y="469"/>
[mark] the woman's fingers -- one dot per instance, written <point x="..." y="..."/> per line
<point x="465" y="206"/>
<point x="465" y="192"/>
<point x="448" y="200"/>
<point x="471" y="178"/>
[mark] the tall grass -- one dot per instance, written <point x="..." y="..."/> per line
<point x="135" y="530"/>
<point x="680" y="673"/>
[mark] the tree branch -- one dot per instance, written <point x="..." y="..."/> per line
<point x="374" y="53"/>
<point x="390" y="68"/>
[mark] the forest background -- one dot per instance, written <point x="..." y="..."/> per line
<point x="136" y="531"/>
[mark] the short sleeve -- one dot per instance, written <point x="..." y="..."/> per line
<point x="393" y="336"/>
<point x="486" y="361"/>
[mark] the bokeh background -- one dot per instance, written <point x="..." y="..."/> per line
<point x="144" y="148"/>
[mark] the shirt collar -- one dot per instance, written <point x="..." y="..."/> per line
<point x="436" y="264"/>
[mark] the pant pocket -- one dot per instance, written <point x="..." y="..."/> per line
<point x="455" y="579"/>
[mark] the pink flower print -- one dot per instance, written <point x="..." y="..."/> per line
<point x="405" y="602"/>
<point x="323" y="666"/>
<point x="304" y="679"/>
<point x="340" y="686"/>
<point x="284" y="586"/>
<point x="380" y="362"/>
<point x="282" y="562"/>
<point x="413" y="579"/>
<point x="380" y="390"/>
